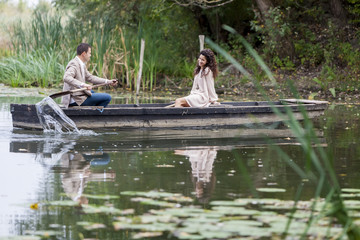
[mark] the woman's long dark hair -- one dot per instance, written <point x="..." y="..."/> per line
<point x="210" y="63"/>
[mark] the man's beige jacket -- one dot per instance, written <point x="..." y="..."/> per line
<point x="74" y="79"/>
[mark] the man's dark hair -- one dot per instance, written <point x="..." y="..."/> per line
<point x="83" y="47"/>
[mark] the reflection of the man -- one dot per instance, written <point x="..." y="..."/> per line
<point x="76" y="172"/>
<point x="202" y="160"/>
<point x="75" y="166"/>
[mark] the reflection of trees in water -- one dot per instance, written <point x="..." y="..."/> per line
<point x="201" y="161"/>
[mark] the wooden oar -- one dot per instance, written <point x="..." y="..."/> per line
<point x="59" y="94"/>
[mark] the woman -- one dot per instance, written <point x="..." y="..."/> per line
<point x="203" y="91"/>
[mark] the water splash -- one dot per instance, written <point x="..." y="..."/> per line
<point x="53" y="119"/>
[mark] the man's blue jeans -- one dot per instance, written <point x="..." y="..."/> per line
<point x="96" y="99"/>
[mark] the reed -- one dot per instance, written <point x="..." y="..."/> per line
<point x="45" y="31"/>
<point x="115" y="52"/>
<point x="319" y="168"/>
<point x="38" y="68"/>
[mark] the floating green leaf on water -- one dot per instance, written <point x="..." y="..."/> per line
<point x="230" y="221"/>
<point x="64" y="203"/>
<point x="152" y="219"/>
<point x="235" y="210"/>
<point x="302" y="214"/>
<point x="180" y="212"/>
<point x="91" y="209"/>
<point x="349" y="195"/>
<point x="155" y="227"/>
<point x="271" y="190"/>
<point x="21" y="238"/>
<point x="179" y="198"/>
<point x="257" y="201"/>
<point x="129" y="211"/>
<point x="101" y="197"/>
<point x="91" y="225"/>
<point x="149" y="201"/>
<point x="145" y="235"/>
<point x="350" y="190"/>
<point x="43" y="233"/>
<point x="216" y="234"/>
<point x="228" y="203"/>
<point x="150" y="194"/>
<point x="165" y="166"/>
<point x="173" y="197"/>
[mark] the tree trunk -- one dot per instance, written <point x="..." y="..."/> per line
<point x="264" y="6"/>
<point x="338" y="11"/>
<point x="203" y="21"/>
<point x="285" y="47"/>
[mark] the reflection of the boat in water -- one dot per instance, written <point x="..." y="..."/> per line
<point x="155" y="140"/>
<point x="203" y="178"/>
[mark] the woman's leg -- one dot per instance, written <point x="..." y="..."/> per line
<point x="97" y="99"/>
<point x="181" y="102"/>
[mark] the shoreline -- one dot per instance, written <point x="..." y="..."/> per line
<point x="247" y="93"/>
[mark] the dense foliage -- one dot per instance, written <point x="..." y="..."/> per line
<point x="316" y="41"/>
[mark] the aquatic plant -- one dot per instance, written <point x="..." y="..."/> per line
<point x="319" y="168"/>
<point x="41" y="68"/>
<point x="171" y="216"/>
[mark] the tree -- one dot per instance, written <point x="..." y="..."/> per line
<point x="276" y="28"/>
<point x="338" y="11"/>
<point x="264" y="7"/>
<point x="205" y="4"/>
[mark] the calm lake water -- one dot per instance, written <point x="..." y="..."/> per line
<point x="205" y="165"/>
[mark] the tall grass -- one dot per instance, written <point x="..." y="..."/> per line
<point x="130" y="46"/>
<point x="50" y="38"/>
<point x="38" y="68"/>
<point x="319" y="167"/>
<point x="45" y="31"/>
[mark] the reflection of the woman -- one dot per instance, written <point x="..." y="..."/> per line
<point x="76" y="172"/>
<point x="202" y="160"/>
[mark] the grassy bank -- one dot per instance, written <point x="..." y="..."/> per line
<point x="38" y="47"/>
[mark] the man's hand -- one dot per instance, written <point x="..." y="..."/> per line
<point x="114" y="82"/>
<point x="87" y="86"/>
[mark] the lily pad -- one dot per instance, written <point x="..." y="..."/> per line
<point x="350" y="190"/>
<point x="91" y="225"/>
<point x="145" y="235"/>
<point x="154" y="218"/>
<point x="151" y="194"/>
<point x="101" y="197"/>
<point x="271" y="190"/>
<point x="149" y="201"/>
<point x="155" y="227"/>
<point x="178" y="198"/>
<point x="185" y="235"/>
<point x="91" y="209"/>
<point x="228" y="203"/>
<point x="21" y="238"/>
<point x="216" y="235"/>
<point x="257" y="201"/>
<point x="65" y="203"/>
<point x="226" y="210"/>
<point x="43" y="233"/>
<point x="350" y="195"/>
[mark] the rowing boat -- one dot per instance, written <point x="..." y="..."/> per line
<point x="227" y="114"/>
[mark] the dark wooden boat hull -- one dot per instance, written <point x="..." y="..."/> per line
<point x="228" y="114"/>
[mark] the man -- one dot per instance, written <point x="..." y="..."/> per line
<point x="74" y="78"/>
